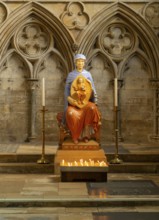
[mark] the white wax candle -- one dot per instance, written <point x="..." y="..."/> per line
<point x="116" y="92"/>
<point x="43" y="91"/>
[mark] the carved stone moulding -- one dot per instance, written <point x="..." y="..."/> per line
<point x="75" y="16"/>
<point x="3" y="12"/>
<point x="32" y="40"/>
<point x="117" y="40"/>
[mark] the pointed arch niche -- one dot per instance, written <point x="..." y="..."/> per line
<point x="53" y="68"/>
<point x="50" y="63"/>
<point x="120" y="12"/>
<point x="32" y="12"/>
<point x="14" y="98"/>
<point x="146" y="41"/>
<point x="136" y="99"/>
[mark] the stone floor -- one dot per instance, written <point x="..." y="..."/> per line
<point x="43" y="197"/>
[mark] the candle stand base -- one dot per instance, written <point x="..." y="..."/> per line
<point x="42" y="161"/>
<point x="116" y="160"/>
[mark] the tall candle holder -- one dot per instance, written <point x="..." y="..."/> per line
<point x="42" y="160"/>
<point x="116" y="159"/>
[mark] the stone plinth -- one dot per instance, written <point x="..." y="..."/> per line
<point x="69" y="145"/>
<point x="83" y="173"/>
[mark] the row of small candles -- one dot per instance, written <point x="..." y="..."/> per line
<point x="82" y="162"/>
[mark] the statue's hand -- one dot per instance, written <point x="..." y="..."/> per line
<point x="72" y="101"/>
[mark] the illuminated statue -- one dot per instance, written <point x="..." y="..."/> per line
<point x="81" y="114"/>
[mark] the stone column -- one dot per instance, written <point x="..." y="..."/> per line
<point x="120" y="84"/>
<point x="155" y="85"/>
<point x="33" y="85"/>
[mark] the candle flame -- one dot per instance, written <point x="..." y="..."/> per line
<point x="81" y="162"/>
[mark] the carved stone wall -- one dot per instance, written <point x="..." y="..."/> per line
<point x="39" y="39"/>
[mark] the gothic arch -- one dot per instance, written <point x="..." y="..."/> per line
<point x="53" y="52"/>
<point x="139" y="25"/>
<point x="26" y="63"/>
<point x="111" y="64"/>
<point x="34" y="11"/>
<point x="139" y="54"/>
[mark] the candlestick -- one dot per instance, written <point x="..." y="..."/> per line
<point x="43" y="91"/>
<point x="42" y="160"/>
<point x="116" y="92"/>
<point x="116" y="159"/>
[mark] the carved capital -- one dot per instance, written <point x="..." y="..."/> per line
<point x="33" y="84"/>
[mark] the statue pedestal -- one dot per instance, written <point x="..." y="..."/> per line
<point x="69" y="145"/>
<point x="81" y="162"/>
<point x="83" y="174"/>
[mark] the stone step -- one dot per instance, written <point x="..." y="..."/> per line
<point x="11" y="158"/>
<point x="26" y="168"/>
<point x="35" y="168"/>
<point x="134" y="167"/>
<point x="23" y="158"/>
<point x="136" y="157"/>
<point x="79" y="202"/>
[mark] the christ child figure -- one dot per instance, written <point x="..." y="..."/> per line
<point x="80" y="90"/>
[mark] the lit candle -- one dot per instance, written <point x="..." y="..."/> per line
<point x="75" y="162"/>
<point x="63" y="162"/>
<point x="43" y="91"/>
<point x="116" y="92"/>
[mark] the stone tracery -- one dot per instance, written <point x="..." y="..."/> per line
<point x="117" y="40"/>
<point x="151" y="13"/>
<point x="3" y="12"/>
<point x="75" y="16"/>
<point x="32" y="40"/>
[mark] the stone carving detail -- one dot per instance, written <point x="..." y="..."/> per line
<point x="3" y="13"/>
<point x="117" y="40"/>
<point x="32" y="40"/>
<point x="33" y="84"/>
<point x="75" y="16"/>
<point x="151" y="13"/>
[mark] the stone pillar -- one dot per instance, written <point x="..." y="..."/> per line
<point x="155" y="85"/>
<point x="33" y="85"/>
<point x="120" y="84"/>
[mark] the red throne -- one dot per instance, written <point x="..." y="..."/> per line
<point x="65" y="134"/>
